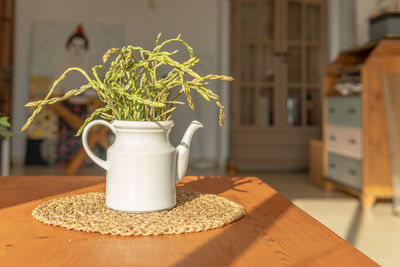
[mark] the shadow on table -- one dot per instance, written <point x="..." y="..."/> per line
<point x="245" y="234"/>
<point x="232" y="242"/>
<point x="236" y="244"/>
<point x="16" y="190"/>
<point x="215" y="184"/>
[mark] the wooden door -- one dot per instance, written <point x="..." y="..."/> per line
<point x="277" y="60"/>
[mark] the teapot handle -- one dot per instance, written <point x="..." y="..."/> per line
<point x="96" y="159"/>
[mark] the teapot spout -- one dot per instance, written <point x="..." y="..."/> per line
<point x="184" y="148"/>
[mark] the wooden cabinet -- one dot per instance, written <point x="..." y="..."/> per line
<point x="278" y="58"/>
<point x="356" y="149"/>
<point x="6" y="51"/>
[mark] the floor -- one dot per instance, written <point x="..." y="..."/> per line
<point x="375" y="233"/>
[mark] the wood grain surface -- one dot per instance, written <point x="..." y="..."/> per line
<point x="273" y="233"/>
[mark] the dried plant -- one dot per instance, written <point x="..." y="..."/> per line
<point x="131" y="89"/>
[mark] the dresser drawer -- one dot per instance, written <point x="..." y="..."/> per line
<point x="344" y="110"/>
<point x="345" y="170"/>
<point x="344" y="140"/>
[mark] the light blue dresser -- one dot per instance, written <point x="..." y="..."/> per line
<point x="356" y="145"/>
<point x="343" y="137"/>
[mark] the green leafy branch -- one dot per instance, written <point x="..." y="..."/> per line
<point x="5" y="128"/>
<point x="131" y="90"/>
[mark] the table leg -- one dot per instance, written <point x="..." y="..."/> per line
<point x="5" y="157"/>
<point x="77" y="160"/>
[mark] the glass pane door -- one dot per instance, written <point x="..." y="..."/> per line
<point x="257" y="63"/>
<point x="248" y="56"/>
<point x="266" y="77"/>
<point x="294" y="21"/>
<point x="294" y="107"/>
<point x="313" y="17"/>
<point x="247" y="106"/>
<point x="267" y="20"/>
<point x="248" y="62"/>
<point x="248" y="21"/>
<point x="314" y="64"/>
<point x="266" y="106"/>
<point x="294" y="62"/>
<point x="313" y="107"/>
<point x="303" y="60"/>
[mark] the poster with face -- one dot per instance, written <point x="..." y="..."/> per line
<point x="77" y="49"/>
<point x="57" y="46"/>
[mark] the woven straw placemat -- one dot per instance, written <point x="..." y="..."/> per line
<point x="194" y="212"/>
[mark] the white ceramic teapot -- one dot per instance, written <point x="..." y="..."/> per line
<point x="142" y="166"/>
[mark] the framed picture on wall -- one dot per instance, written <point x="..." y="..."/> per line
<point x="56" y="46"/>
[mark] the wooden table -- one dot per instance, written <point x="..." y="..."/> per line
<point x="273" y="233"/>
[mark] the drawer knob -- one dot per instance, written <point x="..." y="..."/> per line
<point x="352" y="141"/>
<point x="332" y="137"/>
<point x="332" y="165"/>
<point x="351" y="110"/>
<point x="352" y="172"/>
<point x="332" y="110"/>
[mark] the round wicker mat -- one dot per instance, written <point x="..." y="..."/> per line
<point x="194" y="212"/>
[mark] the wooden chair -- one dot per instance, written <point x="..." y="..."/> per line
<point x="98" y="136"/>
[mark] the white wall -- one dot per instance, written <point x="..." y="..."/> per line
<point x="364" y="9"/>
<point x="203" y="24"/>
<point x="341" y="26"/>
